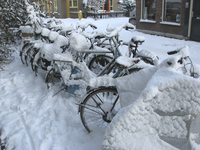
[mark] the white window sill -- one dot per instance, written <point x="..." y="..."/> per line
<point x="170" y="23"/>
<point x="147" y="21"/>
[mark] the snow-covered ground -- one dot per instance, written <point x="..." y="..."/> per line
<point x="31" y="119"/>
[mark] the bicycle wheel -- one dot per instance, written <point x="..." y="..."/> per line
<point x="52" y="78"/>
<point x="99" y="108"/>
<point x="134" y="70"/>
<point x="99" y="62"/>
<point x="27" y="59"/>
<point x="22" y="52"/>
<point x="28" y="55"/>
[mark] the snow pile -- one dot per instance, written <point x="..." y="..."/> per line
<point x="168" y="102"/>
<point x="53" y="35"/>
<point x="48" y="50"/>
<point x="67" y="28"/>
<point x="61" y="40"/>
<point x="26" y="29"/>
<point x="78" y="42"/>
<point x="138" y="38"/>
<point x="32" y="119"/>
<point x="45" y="32"/>
<point x="62" y="57"/>
<point x="153" y="58"/>
<point x="127" y="61"/>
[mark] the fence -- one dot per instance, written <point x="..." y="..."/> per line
<point x="103" y="14"/>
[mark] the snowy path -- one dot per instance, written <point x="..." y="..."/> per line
<point x="33" y="119"/>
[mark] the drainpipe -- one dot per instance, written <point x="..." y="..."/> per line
<point x="68" y="8"/>
<point x="190" y="18"/>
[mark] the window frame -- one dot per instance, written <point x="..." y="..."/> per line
<point x="55" y="5"/>
<point x="72" y="6"/>
<point x="144" y="19"/>
<point x="164" y="21"/>
<point x="111" y="6"/>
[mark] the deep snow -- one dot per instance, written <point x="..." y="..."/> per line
<point x="32" y="119"/>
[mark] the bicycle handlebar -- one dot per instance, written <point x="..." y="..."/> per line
<point x="173" y="52"/>
<point x="119" y="28"/>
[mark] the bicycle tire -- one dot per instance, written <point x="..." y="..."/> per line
<point x="95" y="110"/>
<point x="22" y="52"/>
<point x="146" y="60"/>
<point x="41" y="65"/>
<point x="27" y="56"/>
<point x="134" y="70"/>
<point x="27" y="59"/>
<point x="52" y="77"/>
<point x="98" y="62"/>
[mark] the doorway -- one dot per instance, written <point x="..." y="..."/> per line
<point x="195" y="28"/>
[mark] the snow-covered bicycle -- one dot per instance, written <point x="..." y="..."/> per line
<point x="100" y="105"/>
<point x="78" y="43"/>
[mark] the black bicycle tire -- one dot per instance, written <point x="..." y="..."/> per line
<point x="83" y="105"/>
<point x="96" y="57"/>
<point x="47" y="78"/>
<point x="28" y="55"/>
<point x="146" y="60"/>
<point x="22" y="52"/>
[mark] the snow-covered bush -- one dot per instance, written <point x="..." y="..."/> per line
<point x="95" y="4"/>
<point x="127" y="6"/>
<point x="13" y="14"/>
<point x="85" y="9"/>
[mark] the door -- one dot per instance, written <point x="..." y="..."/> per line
<point x="195" y="30"/>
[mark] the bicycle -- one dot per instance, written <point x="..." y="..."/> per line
<point x="100" y="105"/>
<point x="119" y="69"/>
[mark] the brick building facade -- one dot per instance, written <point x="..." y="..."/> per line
<point x="172" y="18"/>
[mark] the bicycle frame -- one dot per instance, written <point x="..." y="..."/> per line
<point x="69" y="65"/>
<point x="115" y="49"/>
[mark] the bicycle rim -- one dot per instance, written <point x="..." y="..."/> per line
<point x="22" y="52"/>
<point x="52" y="78"/>
<point x="98" y="63"/>
<point x="95" y="111"/>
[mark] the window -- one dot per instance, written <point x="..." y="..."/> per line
<point x="149" y="9"/>
<point x="172" y="10"/>
<point x="73" y="5"/>
<point x="55" y="6"/>
<point x="108" y="5"/>
<point x="111" y="5"/>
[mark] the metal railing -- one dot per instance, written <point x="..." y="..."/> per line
<point x="100" y="15"/>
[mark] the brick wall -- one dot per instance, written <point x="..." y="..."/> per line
<point x="157" y="26"/>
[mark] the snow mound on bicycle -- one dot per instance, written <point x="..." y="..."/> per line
<point x="158" y="102"/>
<point x="78" y="42"/>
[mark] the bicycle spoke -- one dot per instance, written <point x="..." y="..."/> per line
<point x="97" y="105"/>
